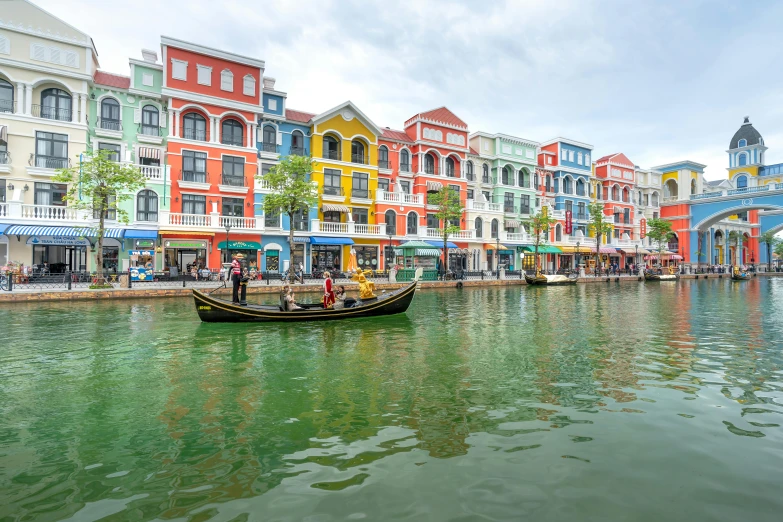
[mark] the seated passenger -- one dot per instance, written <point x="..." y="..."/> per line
<point x="339" y="295"/>
<point x="291" y="302"/>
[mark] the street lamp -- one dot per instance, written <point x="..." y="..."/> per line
<point x="497" y="254"/>
<point x="390" y="257"/>
<point x="228" y="229"/>
<point x="636" y="257"/>
<point x="578" y="257"/>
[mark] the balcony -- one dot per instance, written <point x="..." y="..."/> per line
<point x="52" y="113"/>
<point x="194" y="180"/>
<point x="509" y="209"/>
<point x="152" y="172"/>
<point x="5" y="161"/>
<point x="431" y="169"/>
<point x="384" y="164"/>
<point x="398" y="198"/>
<point x="261" y="185"/>
<point x="438" y="233"/>
<point x="333" y="194"/>
<point x="108" y="128"/>
<point x="44" y="214"/>
<point x="470" y="177"/>
<point x="580" y="217"/>
<point x="212" y="222"/>
<point x="152" y="134"/>
<point x="405" y="167"/>
<point x="360" y="159"/>
<point x="332" y="155"/>
<point x="483" y="206"/>
<point x="237" y="223"/>
<point x="360" y="193"/>
<point x="349" y="228"/>
<point x="41" y="165"/>
<point x="232" y="142"/>
<point x="235" y="184"/>
<point x="49" y="213"/>
<point x="194" y="134"/>
<point x="298" y="151"/>
<point x="7" y="106"/>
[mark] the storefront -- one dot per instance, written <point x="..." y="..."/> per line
<point x="247" y="249"/>
<point x="548" y="256"/>
<point x="327" y="252"/>
<point x="366" y="256"/>
<point x="59" y="254"/>
<point x="417" y="254"/>
<point x="138" y="241"/>
<point x="181" y="255"/>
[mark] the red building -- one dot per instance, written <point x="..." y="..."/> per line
<point x="615" y="188"/>
<point x="214" y="102"/>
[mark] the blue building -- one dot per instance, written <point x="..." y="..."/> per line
<point x="571" y="167"/>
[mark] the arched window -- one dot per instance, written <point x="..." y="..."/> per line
<point x="479" y="227"/>
<point x="150" y="121"/>
<point x="469" y="171"/>
<point x="405" y="161"/>
<point x="450" y="167"/>
<point x="231" y="132"/>
<point x="429" y="164"/>
<point x="742" y="182"/>
<point x="568" y="185"/>
<point x="297" y="144"/>
<point x="558" y="233"/>
<point x="383" y="157"/>
<point x="616" y="193"/>
<point x="535" y="180"/>
<point x="269" y="139"/>
<point x="147" y="206"/>
<point x="485" y="173"/>
<point x="6" y="96"/>
<point x="670" y="190"/>
<point x="357" y="152"/>
<point x="506" y="176"/>
<point x="332" y="148"/>
<point x="742" y="143"/>
<point x="194" y="127"/>
<point x="693" y="186"/>
<point x="742" y="159"/>
<point x="391" y="223"/>
<point x="493" y="231"/>
<point x="110" y="114"/>
<point x="55" y="105"/>
<point x="413" y="223"/>
<point x="548" y="184"/>
<point x="524" y="178"/>
<point x="580" y="187"/>
<point x="626" y="195"/>
<point x="655" y="199"/>
<point x="227" y="81"/>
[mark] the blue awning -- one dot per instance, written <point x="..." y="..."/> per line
<point x="131" y="233"/>
<point x="439" y="244"/>
<point x="32" y="230"/>
<point x="301" y="239"/>
<point x="331" y="240"/>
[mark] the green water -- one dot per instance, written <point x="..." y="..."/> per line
<point x="648" y="402"/>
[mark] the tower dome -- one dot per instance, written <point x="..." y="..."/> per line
<point x="746" y="132"/>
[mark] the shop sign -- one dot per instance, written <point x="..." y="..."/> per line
<point x="57" y="240"/>
<point x="643" y="228"/>
<point x="240" y="245"/>
<point x="144" y="243"/>
<point x="141" y="274"/>
<point x="185" y="244"/>
<point x="142" y="253"/>
<point x="568" y="222"/>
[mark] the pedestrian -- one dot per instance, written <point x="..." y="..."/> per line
<point x="236" y="273"/>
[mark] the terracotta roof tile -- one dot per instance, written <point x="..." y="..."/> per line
<point x="396" y="135"/>
<point x="302" y="117"/>
<point x="111" y="80"/>
<point x="443" y="115"/>
<point x="607" y="158"/>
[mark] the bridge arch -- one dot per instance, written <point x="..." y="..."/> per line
<point x="725" y="212"/>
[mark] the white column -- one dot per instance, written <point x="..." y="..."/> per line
<point x="249" y="135"/>
<point x="83" y="108"/>
<point x="171" y="123"/>
<point x="20" y="102"/>
<point x="217" y="130"/>
<point x="74" y="110"/>
<point x="254" y="137"/>
<point x="421" y="162"/>
<point x="176" y="123"/>
<point x="28" y="99"/>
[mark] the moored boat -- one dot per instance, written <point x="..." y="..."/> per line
<point x="553" y="280"/>
<point x="741" y="276"/>
<point x="650" y="275"/>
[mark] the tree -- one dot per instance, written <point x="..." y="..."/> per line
<point x="540" y="225"/>
<point x="291" y="191"/>
<point x="778" y="248"/>
<point x="768" y="238"/>
<point x="600" y="227"/>
<point x="449" y="210"/>
<point x="98" y="184"/>
<point x="660" y="231"/>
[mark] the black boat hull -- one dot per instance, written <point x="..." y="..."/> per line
<point x="212" y="310"/>
<point x="741" y="278"/>
<point x="660" y="277"/>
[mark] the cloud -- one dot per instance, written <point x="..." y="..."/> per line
<point x="660" y="81"/>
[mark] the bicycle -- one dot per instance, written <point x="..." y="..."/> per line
<point x="4" y="282"/>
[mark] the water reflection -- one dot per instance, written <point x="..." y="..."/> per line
<point x="489" y="402"/>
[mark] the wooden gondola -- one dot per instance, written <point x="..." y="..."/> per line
<point x="213" y="310"/>
<point x="741" y="276"/>
<point x="650" y="275"/>
<point x="551" y="280"/>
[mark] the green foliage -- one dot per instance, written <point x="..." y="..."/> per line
<point x="449" y="210"/>
<point x="291" y="190"/>
<point x="98" y="185"/>
<point x="772" y="243"/>
<point x="660" y="231"/>
<point x="540" y="224"/>
<point x="599" y="225"/>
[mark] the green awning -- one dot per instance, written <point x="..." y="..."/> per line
<point x="542" y="249"/>
<point x="240" y="245"/>
<point x="419" y="252"/>
<point x="414" y="244"/>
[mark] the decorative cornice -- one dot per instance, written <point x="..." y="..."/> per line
<point x="46" y="70"/>
<point x="210" y="51"/>
<point x="56" y="36"/>
<point x="211" y="100"/>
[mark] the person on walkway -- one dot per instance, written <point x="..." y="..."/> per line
<point x="328" y="291"/>
<point x="236" y="276"/>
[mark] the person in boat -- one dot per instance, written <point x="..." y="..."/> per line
<point x="328" y="291"/>
<point x="339" y="298"/>
<point x="290" y="301"/>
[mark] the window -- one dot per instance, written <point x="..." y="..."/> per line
<point x="147" y="80"/>
<point x="524" y="207"/>
<point x="194" y="166"/>
<point x="297" y="143"/>
<point x="179" y="69"/>
<point x="412" y="223"/>
<point x="479" y="227"/>
<point x="359" y="188"/>
<point x="112" y="149"/>
<point x="580" y="213"/>
<point x="568" y="185"/>
<point x="486" y="195"/>
<point x="360" y="215"/>
<point x="548" y="184"/>
<point x="357" y="152"/>
<point x="485" y="173"/>
<point x="579" y="158"/>
<point x="743" y="159"/>
<point x="563" y="155"/>
<point x="383" y="184"/>
<point x="429" y="164"/>
<point x="231" y="133"/>
<point x="493" y="230"/>
<point x="249" y="86"/>
<point x="110" y="114"/>
<point x="506" y="174"/>
<point x="51" y="150"/>
<point x="332" y="217"/>
<point x="580" y="187"/>
<point x="332" y="186"/>
<point x="194" y="127"/>
<point x="508" y="202"/>
<point x="55" y="105"/>
<point x="300" y="221"/>
<point x="269" y="139"/>
<point x="391" y="223"/>
<point x="405" y="161"/>
<point x="226" y="81"/>
<point x="272" y="219"/>
<point x="587" y="160"/>
<point x="6" y="96"/>
<point x="469" y="171"/>
<point x="193" y="204"/>
<point x="742" y="143"/>
<point x="569" y="206"/>
<point x="146" y="206"/>
<point x="150" y="121"/>
<point x="332" y="148"/>
<point x="405" y="186"/>
<point x="742" y="182"/>
<point x="383" y="157"/>
<point x="558" y="232"/>
<point x="233" y="171"/>
<point x="50" y="194"/>
<point x="233" y="207"/>
<point x="571" y="156"/>
<point x="432" y="221"/>
<point x="450" y="167"/>
<point x="2" y="191"/>
<point x="203" y="75"/>
<point x="524" y="178"/>
<point x="627" y="215"/>
<point x="271" y="103"/>
<point x="616" y="193"/>
<point x="470" y="193"/>
<point x="5" y="45"/>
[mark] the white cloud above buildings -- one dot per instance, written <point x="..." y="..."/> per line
<point x="659" y="81"/>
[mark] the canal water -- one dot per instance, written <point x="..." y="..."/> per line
<point x="642" y="402"/>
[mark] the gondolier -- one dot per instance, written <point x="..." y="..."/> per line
<point x="328" y="291"/>
<point x="236" y="276"/>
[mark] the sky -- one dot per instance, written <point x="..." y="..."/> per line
<point x="661" y="81"/>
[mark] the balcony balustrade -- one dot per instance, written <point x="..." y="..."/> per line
<point x="51" y="113"/>
<point x="399" y="198"/>
<point x="298" y="151"/>
<point x="332" y="155"/>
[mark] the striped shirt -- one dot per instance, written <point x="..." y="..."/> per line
<point x="236" y="268"/>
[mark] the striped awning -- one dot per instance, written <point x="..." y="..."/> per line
<point x="434" y="186"/>
<point x="4" y="133"/>
<point x="607" y="250"/>
<point x="149" y="153"/>
<point x="632" y="251"/>
<point x="512" y="223"/>
<point x="298" y="239"/>
<point x="420" y="252"/>
<point x="329" y="207"/>
<point x="31" y="230"/>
